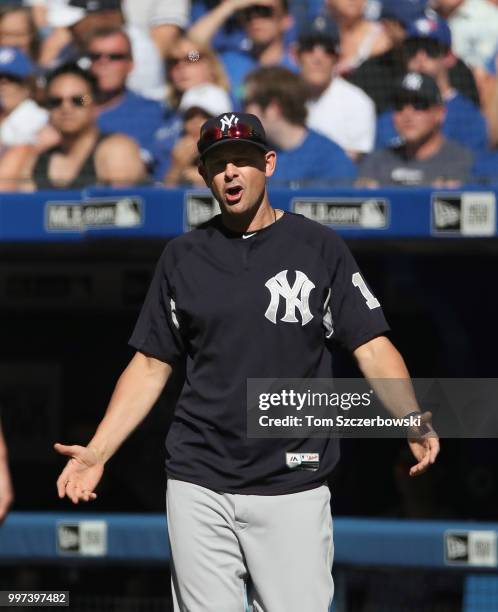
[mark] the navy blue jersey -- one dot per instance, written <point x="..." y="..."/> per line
<point x="262" y="305"/>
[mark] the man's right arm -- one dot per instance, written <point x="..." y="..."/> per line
<point x="136" y="392"/>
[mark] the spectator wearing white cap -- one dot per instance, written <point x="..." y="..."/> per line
<point x="198" y="104"/>
<point x="73" y="20"/>
<point x="22" y="121"/>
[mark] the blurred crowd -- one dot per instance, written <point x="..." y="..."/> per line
<point x="350" y="92"/>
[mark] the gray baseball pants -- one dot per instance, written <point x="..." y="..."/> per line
<point x="276" y="550"/>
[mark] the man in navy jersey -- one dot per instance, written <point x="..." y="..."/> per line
<point x="252" y="293"/>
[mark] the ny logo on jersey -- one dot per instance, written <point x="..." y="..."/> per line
<point x="226" y="122"/>
<point x="296" y="296"/>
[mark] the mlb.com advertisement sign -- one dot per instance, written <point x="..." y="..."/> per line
<point x="345" y="213"/>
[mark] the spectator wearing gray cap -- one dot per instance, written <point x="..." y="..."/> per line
<point x="198" y="104"/>
<point x="425" y="156"/>
<point x="337" y="109"/>
<point x="427" y="49"/>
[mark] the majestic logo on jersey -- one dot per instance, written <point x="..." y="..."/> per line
<point x="226" y="122"/>
<point x="296" y="297"/>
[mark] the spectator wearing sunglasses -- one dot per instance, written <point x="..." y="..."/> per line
<point x="119" y="108"/>
<point x="337" y="109"/>
<point x="72" y="21"/>
<point x="71" y="93"/>
<point x="278" y="96"/>
<point x="189" y="65"/>
<point x="427" y="49"/>
<point x="265" y="22"/>
<point x="425" y="156"/>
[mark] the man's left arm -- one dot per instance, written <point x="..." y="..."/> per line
<point x="378" y="359"/>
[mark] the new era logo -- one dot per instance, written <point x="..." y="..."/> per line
<point x="446" y="214"/>
<point x="475" y="548"/>
<point x="86" y="538"/>
<point x="471" y="213"/>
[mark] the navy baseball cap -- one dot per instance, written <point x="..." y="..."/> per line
<point x="418" y="86"/>
<point x="432" y="27"/>
<point x="232" y="127"/>
<point x="403" y="11"/>
<point x="321" y="31"/>
<point x="15" y="63"/>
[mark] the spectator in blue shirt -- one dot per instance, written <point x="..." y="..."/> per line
<point x="427" y="49"/>
<point x="265" y="22"/>
<point x="485" y="170"/>
<point x="120" y="109"/>
<point x="278" y="97"/>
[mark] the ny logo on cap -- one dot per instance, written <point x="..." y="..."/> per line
<point x="412" y="81"/>
<point x="226" y="122"/>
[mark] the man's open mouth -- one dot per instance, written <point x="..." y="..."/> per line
<point x="233" y="194"/>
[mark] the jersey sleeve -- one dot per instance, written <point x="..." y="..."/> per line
<point x="356" y="314"/>
<point x="157" y="331"/>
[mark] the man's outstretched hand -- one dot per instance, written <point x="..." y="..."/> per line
<point x="82" y="473"/>
<point x="425" y="448"/>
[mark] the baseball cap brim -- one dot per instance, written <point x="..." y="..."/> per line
<point x="224" y="141"/>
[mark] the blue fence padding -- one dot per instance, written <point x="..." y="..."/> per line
<point x="408" y="212"/>
<point x="135" y="537"/>
<point x="480" y="593"/>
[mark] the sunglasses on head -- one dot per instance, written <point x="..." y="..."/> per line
<point x="171" y="62"/>
<point x="256" y="10"/>
<point x="57" y="101"/>
<point x="418" y="104"/>
<point x="215" y="134"/>
<point x="112" y="57"/>
<point x="432" y="48"/>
